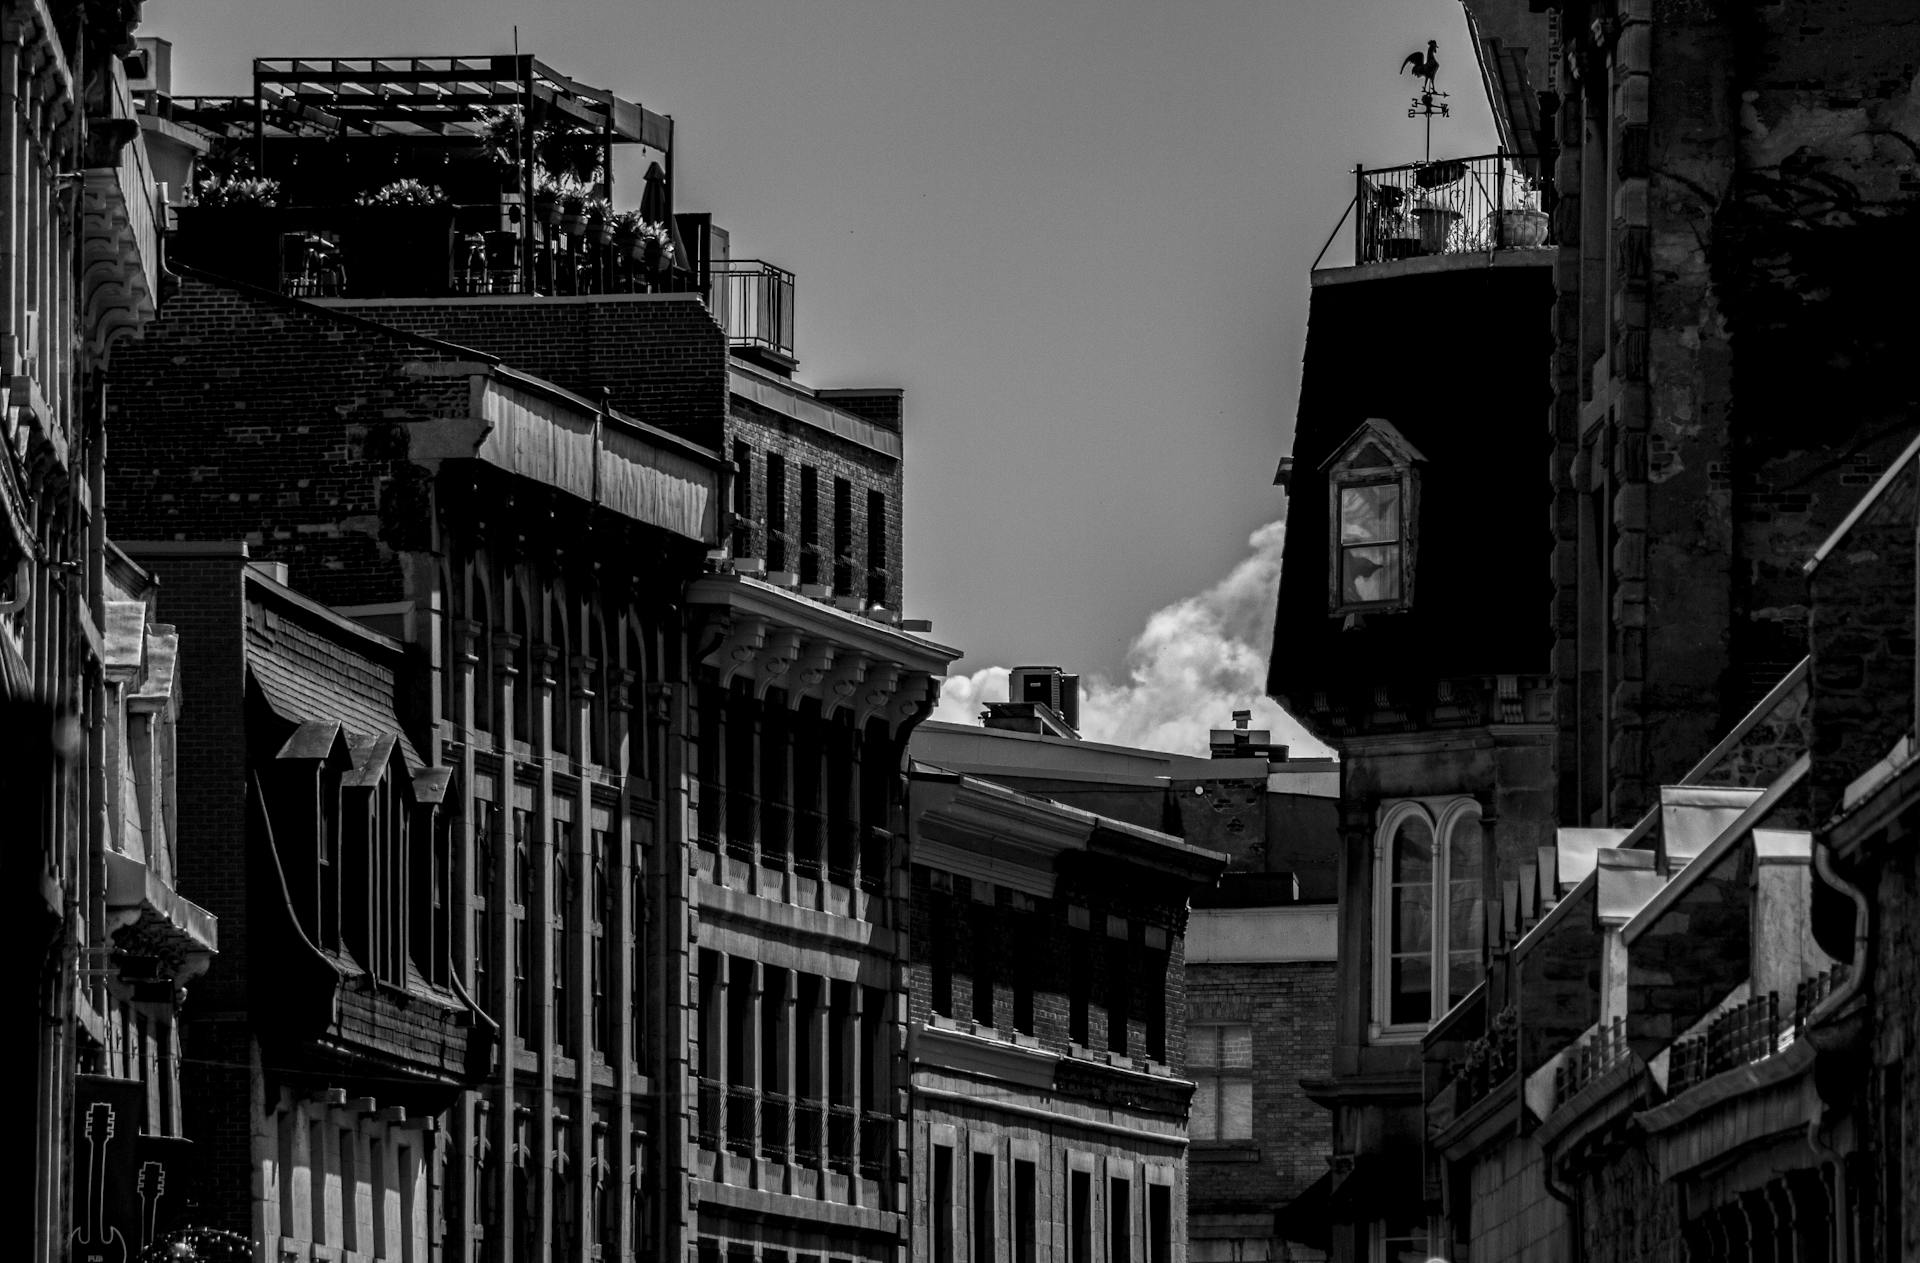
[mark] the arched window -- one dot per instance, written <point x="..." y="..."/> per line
<point x="1429" y="911"/>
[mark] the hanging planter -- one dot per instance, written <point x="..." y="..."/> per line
<point x="546" y="203"/>
<point x="573" y="210"/>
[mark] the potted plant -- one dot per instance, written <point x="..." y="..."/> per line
<point x="1435" y="222"/>
<point x="599" y="221"/>
<point x="403" y="193"/>
<point x="237" y="192"/>
<point x="573" y="209"/>
<point x="546" y="201"/>
<point x="656" y="247"/>
<point x="626" y="232"/>
<point x="1523" y="228"/>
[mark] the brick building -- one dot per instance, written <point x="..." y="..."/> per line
<point x="1649" y="1055"/>
<point x="673" y="809"/>
<point x="1047" y="1005"/>
<point x="1259" y="946"/>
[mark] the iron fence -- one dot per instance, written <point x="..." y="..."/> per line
<point x="710" y="815"/>
<point x="754" y="300"/>
<point x="876" y="1144"/>
<point x="743" y="814"/>
<point x="776" y="1122"/>
<point x="776" y="832"/>
<point x="809" y="833"/>
<point x="707" y="1110"/>
<point x="1449" y="206"/>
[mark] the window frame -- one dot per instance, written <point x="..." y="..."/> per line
<point x="1442" y="816"/>
<point x="1401" y="471"/>
<point x="1216" y="1075"/>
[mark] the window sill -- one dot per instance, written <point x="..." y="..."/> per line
<point x="1223" y="1151"/>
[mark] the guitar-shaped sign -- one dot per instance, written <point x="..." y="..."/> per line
<point x="153" y="1186"/>
<point x="95" y="1241"/>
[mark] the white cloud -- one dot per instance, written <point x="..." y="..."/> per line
<point x="1196" y="662"/>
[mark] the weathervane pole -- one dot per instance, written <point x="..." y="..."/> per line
<point x="1431" y="100"/>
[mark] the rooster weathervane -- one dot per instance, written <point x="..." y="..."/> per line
<point x="1431" y="100"/>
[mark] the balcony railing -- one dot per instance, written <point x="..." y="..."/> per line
<point x="809" y="836"/>
<point x="841" y="1128"/>
<point x="1489" y="1061"/>
<point x="1588" y="1060"/>
<point x="415" y="252"/>
<point x="753" y="300"/>
<point x="1449" y="206"/>
<point x="809" y="1132"/>
<point x="710" y="820"/>
<point x="742" y="1110"/>
<point x="776" y="1117"/>
<point x="743" y="814"/>
<point x="876" y="1144"/>
<point x="1745" y="1033"/>
<point x="708" y="1121"/>
<point x="776" y="832"/>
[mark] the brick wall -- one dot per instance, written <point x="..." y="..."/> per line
<point x="245" y="417"/>
<point x="766" y="433"/>
<point x="1290" y="1008"/>
<point x="201" y="596"/>
<point x="660" y="357"/>
<point x="972" y="932"/>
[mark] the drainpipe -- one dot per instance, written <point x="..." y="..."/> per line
<point x="1848" y="988"/>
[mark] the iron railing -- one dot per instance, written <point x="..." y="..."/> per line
<point x="809" y="835"/>
<point x="1589" y="1059"/>
<point x="1489" y="1061"/>
<point x="1810" y="992"/>
<point x="1449" y="206"/>
<point x="809" y="1132"/>
<point x="841" y="1128"/>
<point x="776" y="1122"/>
<point x="710" y="818"/>
<point x="753" y="300"/>
<point x="875" y="849"/>
<point x="776" y="832"/>
<point x="876" y="1144"/>
<point x="743" y="815"/>
<point x="743" y="1108"/>
<point x="708" y="1113"/>
<point x="843" y="850"/>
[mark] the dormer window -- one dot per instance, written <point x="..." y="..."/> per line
<point x="1372" y="501"/>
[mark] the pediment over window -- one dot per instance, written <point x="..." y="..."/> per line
<point x="1377" y="445"/>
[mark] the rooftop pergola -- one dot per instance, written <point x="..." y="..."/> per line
<point x="417" y="98"/>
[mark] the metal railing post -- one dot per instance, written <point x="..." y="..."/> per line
<point x="1359" y="214"/>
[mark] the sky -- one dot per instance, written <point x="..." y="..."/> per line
<point x="1078" y="234"/>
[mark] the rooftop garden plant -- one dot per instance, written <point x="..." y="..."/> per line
<point x="407" y="192"/>
<point x="250" y="191"/>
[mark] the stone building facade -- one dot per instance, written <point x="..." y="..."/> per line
<point x="1047" y="1005"/>
<point x="1664" y="1054"/>
<point x="87" y="697"/>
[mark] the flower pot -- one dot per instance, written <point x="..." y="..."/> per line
<point x="572" y="224"/>
<point x="637" y="250"/>
<point x="1435" y="222"/>
<point x="601" y="234"/>
<point x="548" y="209"/>
<point x="1523" y="229"/>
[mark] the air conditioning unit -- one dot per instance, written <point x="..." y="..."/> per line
<point x="1049" y="685"/>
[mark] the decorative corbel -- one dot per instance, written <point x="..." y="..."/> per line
<point x="742" y="637"/>
<point x="877" y="690"/>
<point x="849" y="672"/>
<point x="816" y="659"/>
<point x="584" y="667"/>
<point x="782" y="648"/>
<point x="544" y="656"/>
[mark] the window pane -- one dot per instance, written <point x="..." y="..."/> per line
<point x="1411" y="981"/>
<point x="1236" y="1109"/>
<point x="1204" y="1124"/>
<point x="1412" y="920"/>
<point x="1466" y="917"/>
<point x="1236" y="1045"/>
<point x="1370" y="515"/>
<point x="1466" y="849"/>
<point x="1413" y="852"/>
<point x="1371" y="573"/>
<point x="1463" y="975"/>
